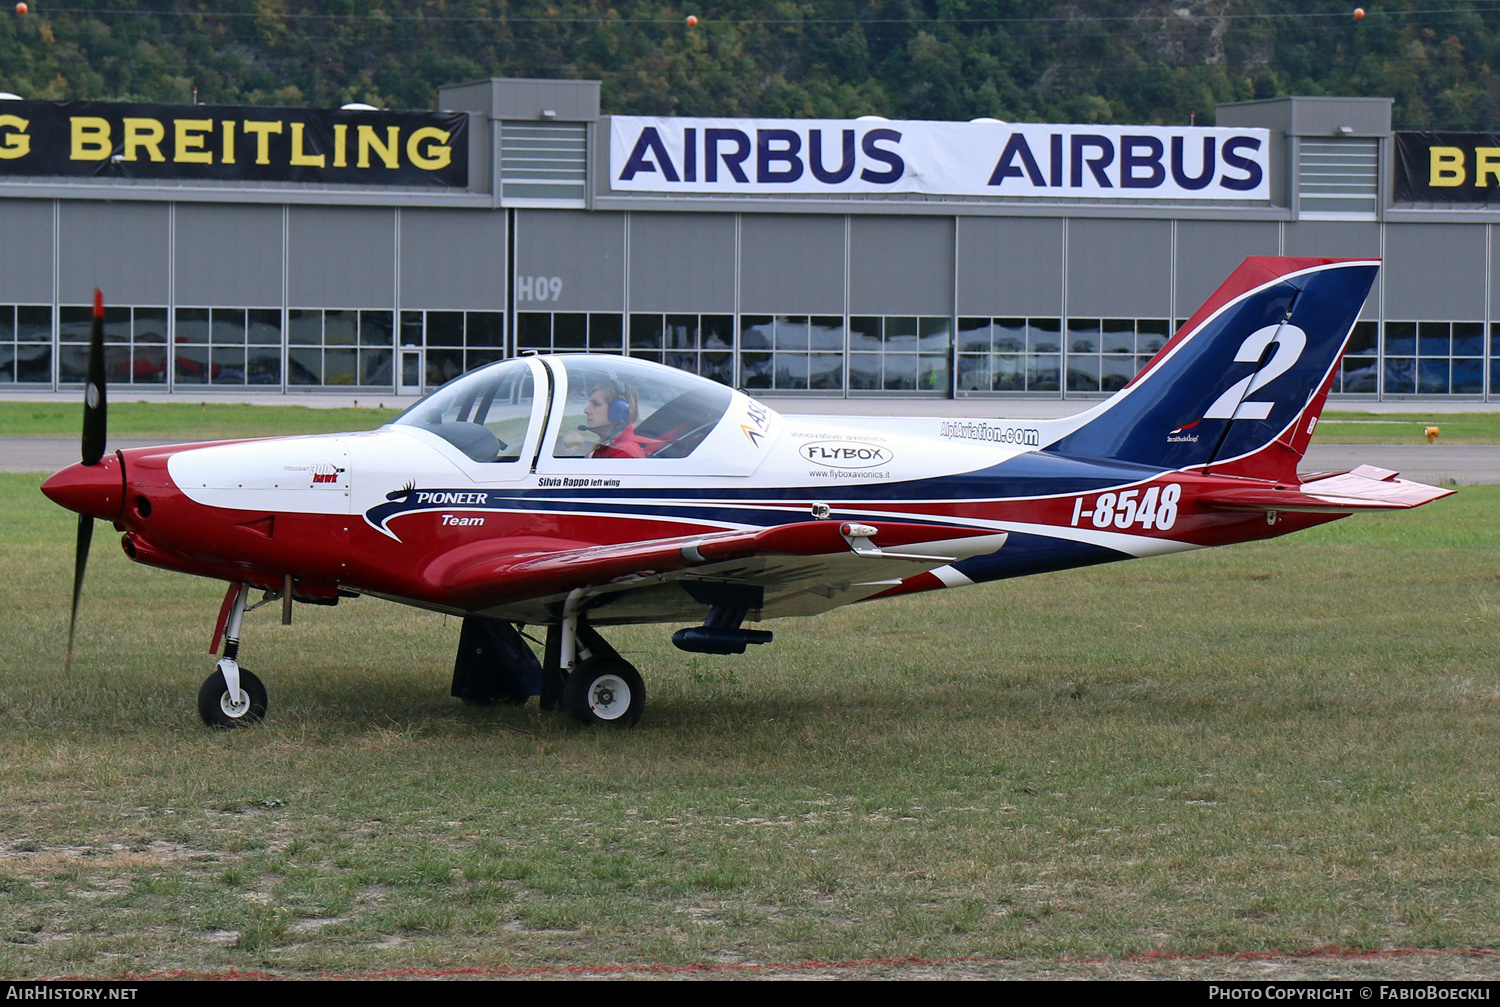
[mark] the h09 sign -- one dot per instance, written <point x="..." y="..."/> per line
<point x="116" y="139"/>
<point x="827" y="156"/>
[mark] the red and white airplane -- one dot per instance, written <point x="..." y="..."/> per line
<point x="577" y="492"/>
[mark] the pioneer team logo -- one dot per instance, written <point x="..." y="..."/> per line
<point x="845" y="454"/>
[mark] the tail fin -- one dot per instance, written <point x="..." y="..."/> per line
<point x="1239" y="388"/>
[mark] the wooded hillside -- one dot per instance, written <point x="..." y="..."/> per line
<point x="1084" y="61"/>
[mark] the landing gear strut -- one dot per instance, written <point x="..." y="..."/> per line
<point x="593" y="682"/>
<point x="232" y="696"/>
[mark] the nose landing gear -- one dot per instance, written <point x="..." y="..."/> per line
<point x="232" y="696"/>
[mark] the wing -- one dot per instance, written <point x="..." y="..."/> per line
<point x="799" y="569"/>
<point x="1364" y="488"/>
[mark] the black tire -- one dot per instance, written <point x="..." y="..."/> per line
<point x="214" y="710"/>
<point x="609" y="693"/>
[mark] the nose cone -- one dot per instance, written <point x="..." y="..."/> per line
<point x="95" y="490"/>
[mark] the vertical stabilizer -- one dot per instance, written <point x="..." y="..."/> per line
<point x="1239" y="388"/>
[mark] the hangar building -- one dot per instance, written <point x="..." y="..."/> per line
<point x="290" y="249"/>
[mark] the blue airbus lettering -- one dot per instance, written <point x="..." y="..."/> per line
<point x="774" y="155"/>
<point x="1135" y="161"/>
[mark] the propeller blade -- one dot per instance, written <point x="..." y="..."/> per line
<point x="93" y="392"/>
<point x="80" y="563"/>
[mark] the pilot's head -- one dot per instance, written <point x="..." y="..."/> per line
<point x="611" y="407"/>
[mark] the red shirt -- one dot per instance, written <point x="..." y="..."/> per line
<point x="624" y="444"/>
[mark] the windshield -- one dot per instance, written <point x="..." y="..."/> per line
<point x="623" y="408"/>
<point x="485" y="413"/>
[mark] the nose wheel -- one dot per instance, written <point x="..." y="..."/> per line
<point x="219" y="707"/>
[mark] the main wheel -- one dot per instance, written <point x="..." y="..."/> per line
<point x="605" y="692"/>
<point x="219" y="709"/>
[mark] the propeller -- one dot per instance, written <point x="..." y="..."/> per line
<point x="94" y="429"/>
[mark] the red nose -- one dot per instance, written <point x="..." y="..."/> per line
<point x="95" y="490"/>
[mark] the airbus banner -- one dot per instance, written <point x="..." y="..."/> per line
<point x="832" y="156"/>
<point x="116" y="139"/>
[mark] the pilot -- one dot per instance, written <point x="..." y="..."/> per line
<point x="611" y="414"/>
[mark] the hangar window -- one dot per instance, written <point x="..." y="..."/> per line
<point x="135" y="343"/>
<point x="792" y="352"/>
<point x="697" y="344"/>
<point x="339" y="346"/>
<point x="1359" y="371"/>
<point x="226" y="346"/>
<point x="1103" y="354"/>
<point x="564" y="331"/>
<point x="1009" y="354"/>
<point x="899" y="353"/>
<point x="26" y="343"/>
<point x="455" y="341"/>
<point x="1434" y="358"/>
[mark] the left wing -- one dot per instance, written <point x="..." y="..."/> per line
<point x="826" y="559"/>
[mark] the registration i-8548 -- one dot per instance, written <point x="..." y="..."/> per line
<point x="1155" y="508"/>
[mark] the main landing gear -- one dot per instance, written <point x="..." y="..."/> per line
<point x="598" y="685"/>
<point x="579" y="671"/>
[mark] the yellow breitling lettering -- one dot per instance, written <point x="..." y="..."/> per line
<point x="437" y="154"/>
<point x="299" y="157"/>
<point x="262" y="130"/>
<point x="90" y="138"/>
<point x="1447" y="166"/>
<point x="387" y="150"/>
<point x="190" y="141"/>
<point x="147" y="133"/>
<point x="1486" y="163"/>
<point x="15" y="143"/>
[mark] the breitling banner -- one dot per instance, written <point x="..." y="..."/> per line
<point x="114" y="139"/>
<point x="827" y="156"/>
<point x="1447" y="168"/>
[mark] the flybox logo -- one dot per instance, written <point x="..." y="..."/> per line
<point x="655" y="154"/>
<point x="845" y="454"/>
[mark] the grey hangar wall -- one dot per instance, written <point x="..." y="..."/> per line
<point x="285" y="287"/>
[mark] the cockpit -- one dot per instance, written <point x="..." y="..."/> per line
<point x="614" y="407"/>
<point x="622" y="408"/>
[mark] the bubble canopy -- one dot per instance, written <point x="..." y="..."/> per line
<point x="658" y="411"/>
<point x="485" y="413"/>
<point x="642" y="409"/>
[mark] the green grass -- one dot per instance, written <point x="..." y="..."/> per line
<point x="1407" y="428"/>
<point x="1275" y="746"/>
<point x="190" y="420"/>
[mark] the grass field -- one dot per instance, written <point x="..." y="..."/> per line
<point x="189" y="420"/>
<point x="1278" y="746"/>
<point x="208" y="420"/>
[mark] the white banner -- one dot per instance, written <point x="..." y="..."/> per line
<point x="1000" y="160"/>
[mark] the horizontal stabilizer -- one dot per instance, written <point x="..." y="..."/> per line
<point x="1364" y="488"/>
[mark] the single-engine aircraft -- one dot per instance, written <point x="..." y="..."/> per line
<point x="577" y="492"/>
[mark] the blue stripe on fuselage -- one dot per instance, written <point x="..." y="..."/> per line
<point x="1028" y="475"/>
<point x="1025" y="554"/>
